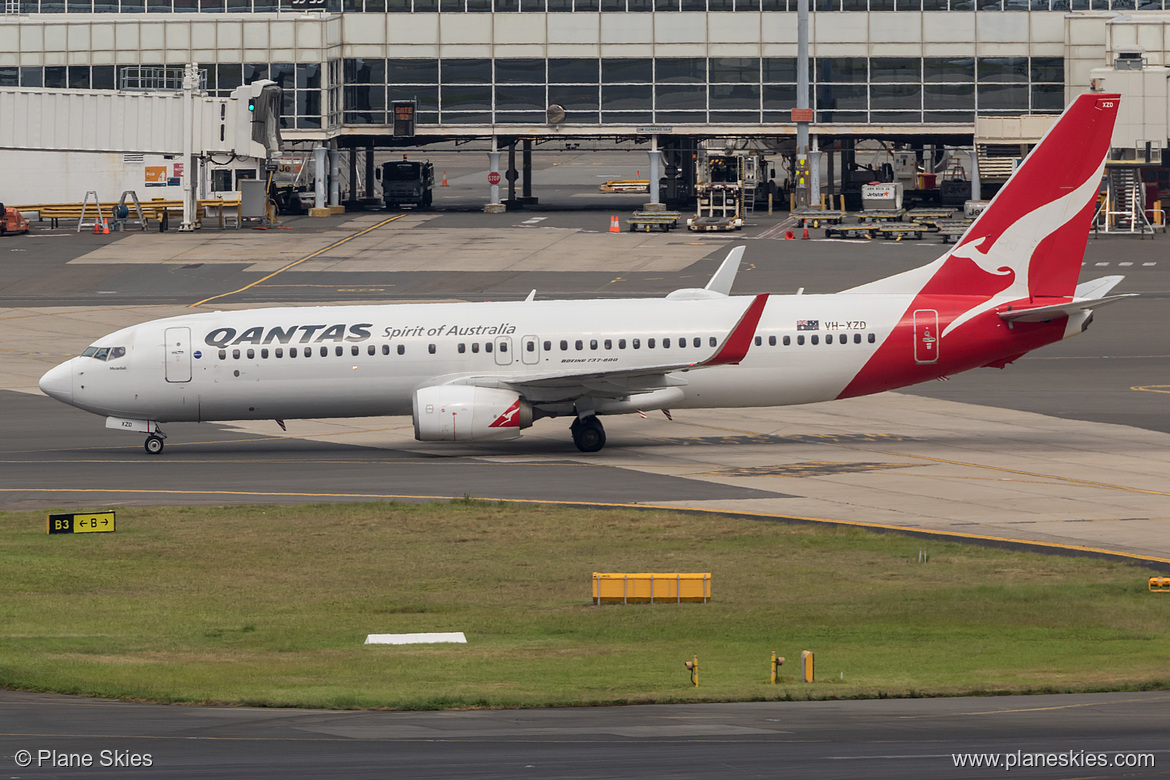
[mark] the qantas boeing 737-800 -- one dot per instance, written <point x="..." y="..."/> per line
<point x="485" y="371"/>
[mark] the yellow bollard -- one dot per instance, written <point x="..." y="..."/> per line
<point x="777" y="661"/>
<point x="693" y="666"/>
<point x="806" y="665"/>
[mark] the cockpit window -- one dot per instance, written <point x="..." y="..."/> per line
<point x="104" y="353"/>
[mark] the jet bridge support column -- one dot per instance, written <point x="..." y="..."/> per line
<point x="494" y="206"/>
<point x="335" y="181"/>
<point x="190" y="82"/>
<point x="511" y="175"/>
<point x="655" y="203"/>
<point x="319" y="171"/>
<point x="370" y="173"/>
<point x="814" y="159"/>
<point x="526" y="196"/>
<point x="976" y="185"/>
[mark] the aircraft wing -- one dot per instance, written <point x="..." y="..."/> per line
<point x="621" y="382"/>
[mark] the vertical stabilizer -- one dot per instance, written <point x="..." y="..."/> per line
<point x="1036" y="227"/>
<point x="1030" y="240"/>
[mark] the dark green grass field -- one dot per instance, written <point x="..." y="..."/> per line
<point x="271" y="605"/>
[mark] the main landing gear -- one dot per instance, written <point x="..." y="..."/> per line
<point x="154" y="442"/>
<point x="588" y="434"/>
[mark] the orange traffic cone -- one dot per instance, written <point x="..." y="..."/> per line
<point x="804" y="236"/>
<point x="444" y="184"/>
<point x="97" y="228"/>
<point x="789" y="235"/>
<point x="614" y="227"/>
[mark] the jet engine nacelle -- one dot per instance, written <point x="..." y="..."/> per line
<point x="467" y="413"/>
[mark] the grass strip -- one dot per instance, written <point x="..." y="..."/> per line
<point x="270" y="605"/>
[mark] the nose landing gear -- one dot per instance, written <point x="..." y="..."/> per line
<point x="588" y="433"/>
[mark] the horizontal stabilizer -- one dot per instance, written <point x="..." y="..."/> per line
<point x="1097" y="288"/>
<point x="1049" y="313"/>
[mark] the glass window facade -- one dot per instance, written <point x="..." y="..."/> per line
<point x="565" y="6"/>
<point x="719" y="90"/>
<point x="674" y="91"/>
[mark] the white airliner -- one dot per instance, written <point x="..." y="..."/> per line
<point x="485" y="371"/>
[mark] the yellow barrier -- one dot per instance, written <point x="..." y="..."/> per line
<point x="1159" y="584"/>
<point x="624" y="588"/>
<point x="777" y="662"/>
<point x="806" y="665"/>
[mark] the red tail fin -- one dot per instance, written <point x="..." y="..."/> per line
<point x="1037" y="225"/>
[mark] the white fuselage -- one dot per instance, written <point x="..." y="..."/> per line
<point x="368" y="360"/>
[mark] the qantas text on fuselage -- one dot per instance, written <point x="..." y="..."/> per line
<point x="486" y="371"/>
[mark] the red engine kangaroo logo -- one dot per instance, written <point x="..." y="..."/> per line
<point x="510" y="418"/>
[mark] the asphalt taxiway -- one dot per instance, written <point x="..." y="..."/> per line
<point x="876" y="739"/>
<point x="1068" y="447"/>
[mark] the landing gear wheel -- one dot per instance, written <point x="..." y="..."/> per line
<point x="588" y="434"/>
<point x="153" y="444"/>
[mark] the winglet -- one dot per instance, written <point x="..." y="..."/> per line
<point x="724" y="278"/>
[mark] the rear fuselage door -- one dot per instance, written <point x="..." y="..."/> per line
<point x="926" y="339"/>
<point x="177" y="346"/>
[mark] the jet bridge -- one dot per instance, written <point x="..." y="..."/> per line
<point x="77" y="129"/>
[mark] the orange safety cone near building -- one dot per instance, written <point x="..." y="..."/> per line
<point x="614" y="227"/>
<point x="804" y="235"/>
<point x="444" y="184"/>
<point x="789" y="235"/>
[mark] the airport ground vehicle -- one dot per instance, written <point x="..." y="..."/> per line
<point x="407" y="183"/>
<point x="11" y="221"/>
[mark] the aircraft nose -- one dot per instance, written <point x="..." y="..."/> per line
<point x="58" y="382"/>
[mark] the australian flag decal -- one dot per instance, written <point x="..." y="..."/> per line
<point x="808" y="324"/>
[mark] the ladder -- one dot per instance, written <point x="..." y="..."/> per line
<point x="747" y="193"/>
<point x="98" y="219"/>
<point x="954" y="171"/>
<point x="120" y="221"/>
<point x="1124" y="208"/>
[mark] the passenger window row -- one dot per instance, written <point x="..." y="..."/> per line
<point x="842" y="338"/>
<point x="682" y="342"/>
<point x="279" y="352"/>
<point x="651" y="343"/>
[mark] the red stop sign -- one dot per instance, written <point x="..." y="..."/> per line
<point x="494" y="178"/>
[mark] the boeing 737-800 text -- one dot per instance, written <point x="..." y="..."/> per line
<point x="485" y="371"/>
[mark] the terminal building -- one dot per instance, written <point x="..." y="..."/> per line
<point x="913" y="72"/>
